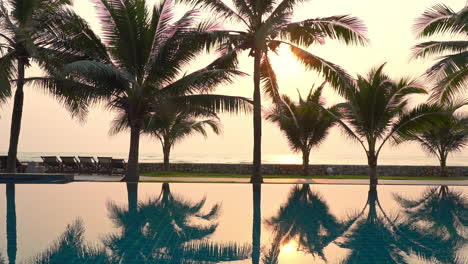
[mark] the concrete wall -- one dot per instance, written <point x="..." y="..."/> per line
<point x="279" y="169"/>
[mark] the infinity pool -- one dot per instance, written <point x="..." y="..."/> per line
<point x="232" y="223"/>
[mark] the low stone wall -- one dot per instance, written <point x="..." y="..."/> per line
<point x="285" y="169"/>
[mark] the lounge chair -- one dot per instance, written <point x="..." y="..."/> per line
<point x="118" y="166"/>
<point x="20" y="167"/>
<point x="88" y="164"/>
<point x="70" y="164"/>
<point x="105" y="165"/>
<point x="52" y="164"/>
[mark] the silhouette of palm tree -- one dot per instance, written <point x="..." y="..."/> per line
<point x="304" y="218"/>
<point x="169" y="229"/>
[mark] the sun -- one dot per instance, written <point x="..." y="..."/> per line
<point x="289" y="248"/>
<point x="285" y="62"/>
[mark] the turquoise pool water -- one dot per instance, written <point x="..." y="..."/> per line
<point x="232" y="223"/>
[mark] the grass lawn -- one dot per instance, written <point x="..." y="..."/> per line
<point x="221" y="175"/>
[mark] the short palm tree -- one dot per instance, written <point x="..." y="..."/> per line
<point x="142" y="58"/>
<point x="267" y="26"/>
<point x="451" y="69"/>
<point x="447" y="136"/>
<point x="170" y="124"/>
<point x="41" y="32"/>
<point x="376" y="109"/>
<point x="304" y="123"/>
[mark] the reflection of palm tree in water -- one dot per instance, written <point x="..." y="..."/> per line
<point x="11" y="223"/>
<point x="374" y="237"/>
<point x="442" y="215"/>
<point x="70" y="248"/>
<point x="168" y="229"/>
<point x="306" y="219"/>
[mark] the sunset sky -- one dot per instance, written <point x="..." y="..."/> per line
<point x="47" y="126"/>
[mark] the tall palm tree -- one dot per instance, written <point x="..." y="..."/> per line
<point x="170" y="124"/>
<point x="267" y="26"/>
<point x="35" y="31"/>
<point x="451" y="69"/>
<point x="448" y="136"/>
<point x="167" y="230"/>
<point x="376" y="109"/>
<point x="142" y="58"/>
<point x="305" y="218"/>
<point x="304" y="124"/>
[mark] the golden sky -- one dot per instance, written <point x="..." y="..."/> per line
<point x="48" y="127"/>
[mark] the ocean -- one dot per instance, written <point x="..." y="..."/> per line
<point x="400" y="158"/>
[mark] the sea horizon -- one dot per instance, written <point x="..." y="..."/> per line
<point x="458" y="159"/>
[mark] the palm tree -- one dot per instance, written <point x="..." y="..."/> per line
<point x="142" y="59"/>
<point x="304" y="218"/>
<point x="167" y="230"/>
<point x="268" y="26"/>
<point x="376" y="110"/>
<point x="451" y="69"/>
<point x="170" y="124"/>
<point x="41" y="32"/>
<point x="304" y="124"/>
<point x="448" y="136"/>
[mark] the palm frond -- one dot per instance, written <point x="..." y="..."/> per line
<point x="216" y="103"/>
<point x="441" y="19"/>
<point x="218" y="7"/>
<point x="207" y="251"/>
<point x="268" y="78"/>
<point x="346" y="28"/>
<point x="332" y="73"/>
<point x="429" y="48"/>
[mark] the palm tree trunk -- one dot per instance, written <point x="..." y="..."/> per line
<point x="443" y="167"/>
<point x="256" y="223"/>
<point x="305" y="162"/>
<point x="11" y="223"/>
<point x="166" y="154"/>
<point x="132" y="166"/>
<point x="372" y="161"/>
<point x="257" y="122"/>
<point x="16" y="117"/>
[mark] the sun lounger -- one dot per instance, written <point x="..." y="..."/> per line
<point x="105" y="165"/>
<point x="20" y="167"/>
<point x="88" y="164"/>
<point x="70" y="164"/>
<point x="52" y="164"/>
<point x="118" y="166"/>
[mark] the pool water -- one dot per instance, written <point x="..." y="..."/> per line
<point x="232" y="223"/>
